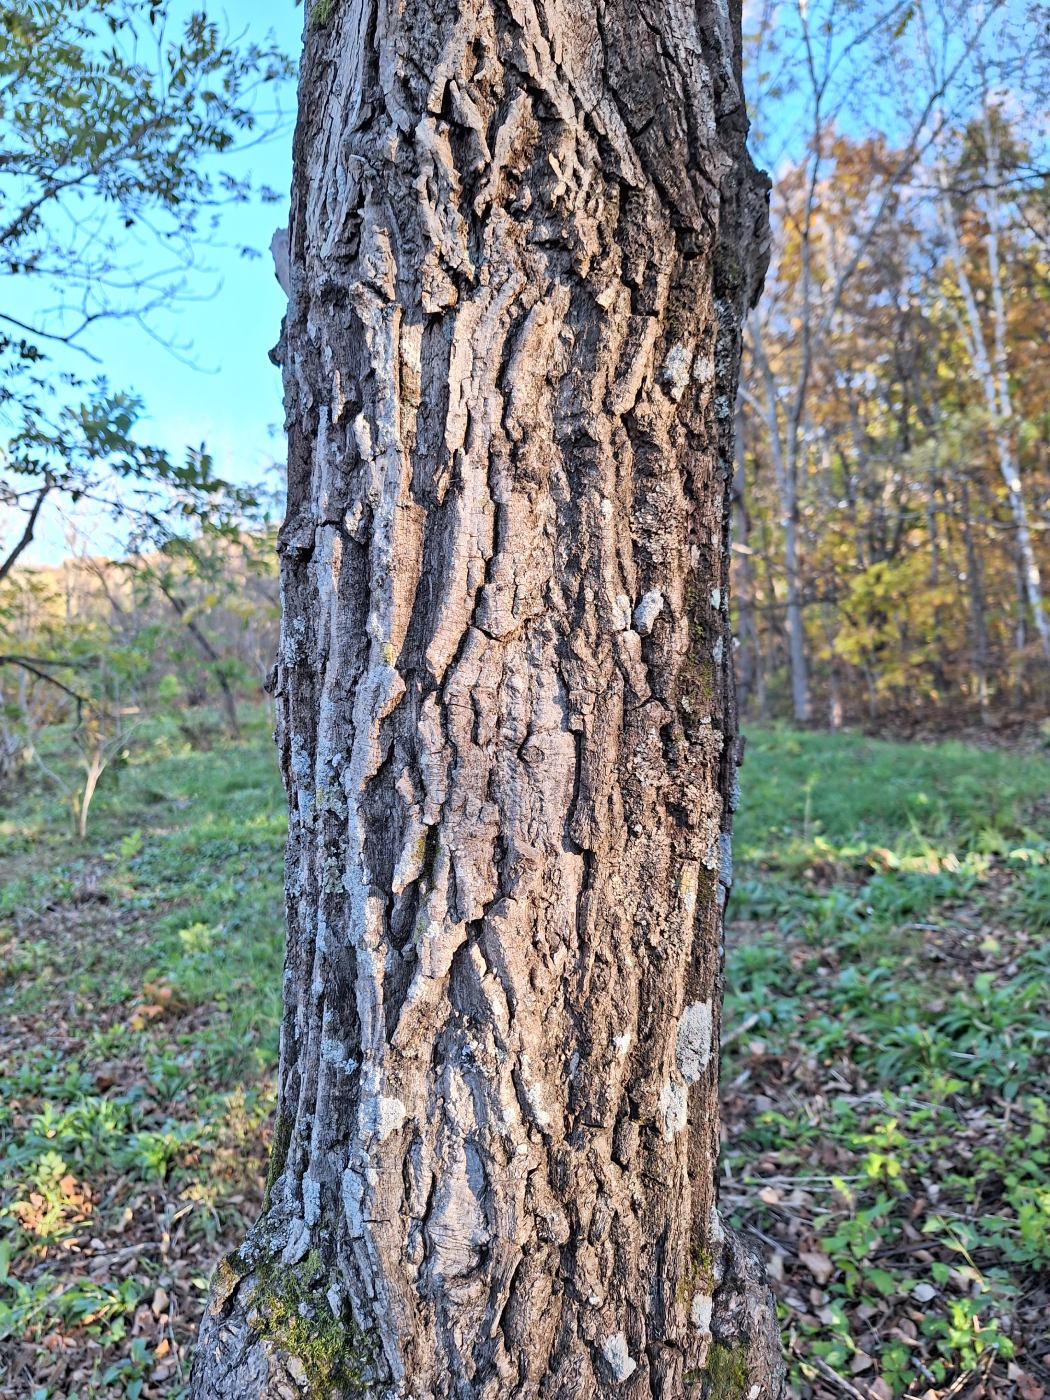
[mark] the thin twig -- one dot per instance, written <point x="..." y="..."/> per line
<point x="34" y="670"/>
<point x="740" y="1030"/>
<point x="847" y="1387"/>
<point x="27" y="533"/>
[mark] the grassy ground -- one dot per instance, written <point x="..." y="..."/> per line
<point x="138" y="1025"/>
<point x="886" y="1088"/>
<point x="885" y="1083"/>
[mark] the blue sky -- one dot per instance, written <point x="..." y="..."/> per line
<point x="221" y="389"/>
<point x="229" y="396"/>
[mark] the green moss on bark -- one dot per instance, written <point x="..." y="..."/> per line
<point x="699" y="1276"/>
<point x="726" y="1372"/>
<point x="290" y="1308"/>
<point x="282" y="1141"/>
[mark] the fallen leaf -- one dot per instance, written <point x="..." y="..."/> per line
<point x="1027" y="1386"/>
<point x="923" y="1292"/>
<point x="819" y="1265"/>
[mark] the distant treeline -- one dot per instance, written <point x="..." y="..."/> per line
<point x="893" y="477"/>
<point x="101" y="643"/>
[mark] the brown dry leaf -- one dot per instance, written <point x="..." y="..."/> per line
<point x="861" y="1362"/>
<point x="819" y="1265"/>
<point x="1027" y="1386"/>
<point x="161" y="992"/>
<point x="880" y="1389"/>
<point x="144" y="1015"/>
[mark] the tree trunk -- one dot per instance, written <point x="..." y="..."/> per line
<point x="979" y="651"/>
<point x="992" y="372"/>
<point x="795" y="620"/>
<point x="522" y="238"/>
<point x="785" y="454"/>
<point x="183" y="613"/>
<point x="750" y="667"/>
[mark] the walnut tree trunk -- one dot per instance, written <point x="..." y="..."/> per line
<point x="522" y="236"/>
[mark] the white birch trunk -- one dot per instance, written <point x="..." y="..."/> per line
<point x="993" y="376"/>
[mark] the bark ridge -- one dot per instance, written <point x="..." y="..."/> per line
<point x="523" y="234"/>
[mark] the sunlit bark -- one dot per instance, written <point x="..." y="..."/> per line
<point x="522" y="239"/>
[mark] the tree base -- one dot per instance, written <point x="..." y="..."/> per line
<point x="746" y="1360"/>
<point x="262" y="1339"/>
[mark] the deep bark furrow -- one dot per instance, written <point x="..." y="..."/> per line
<point x="522" y="238"/>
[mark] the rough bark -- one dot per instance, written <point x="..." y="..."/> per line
<point x="522" y="238"/>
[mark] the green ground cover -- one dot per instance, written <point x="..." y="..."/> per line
<point x="886" y="1084"/>
<point x="139" y="1006"/>
<point x="886" y="1077"/>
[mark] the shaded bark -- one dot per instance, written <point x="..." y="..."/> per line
<point x="522" y="239"/>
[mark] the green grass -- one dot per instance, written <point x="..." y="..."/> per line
<point x="886" y="1081"/>
<point x="888" y="1093"/>
<point x="139" y="1007"/>
<point x="808" y="793"/>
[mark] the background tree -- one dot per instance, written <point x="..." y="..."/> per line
<point x="97" y="644"/>
<point x="905" y="321"/>
<point x="116" y="117"/>
<point x="205" y="580"/>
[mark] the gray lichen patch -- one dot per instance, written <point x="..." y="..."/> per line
<point x="677" y="370"/>
<point x="693" y="1051"/>
<point x="621" y="1363"/>
<point x="700" y="1312"/>
<point x="647" y="611"/>
<point x="673" y="1108"/>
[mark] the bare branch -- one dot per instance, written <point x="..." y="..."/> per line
<point x="27" y="533"/>
<point x="33" y="669"/>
